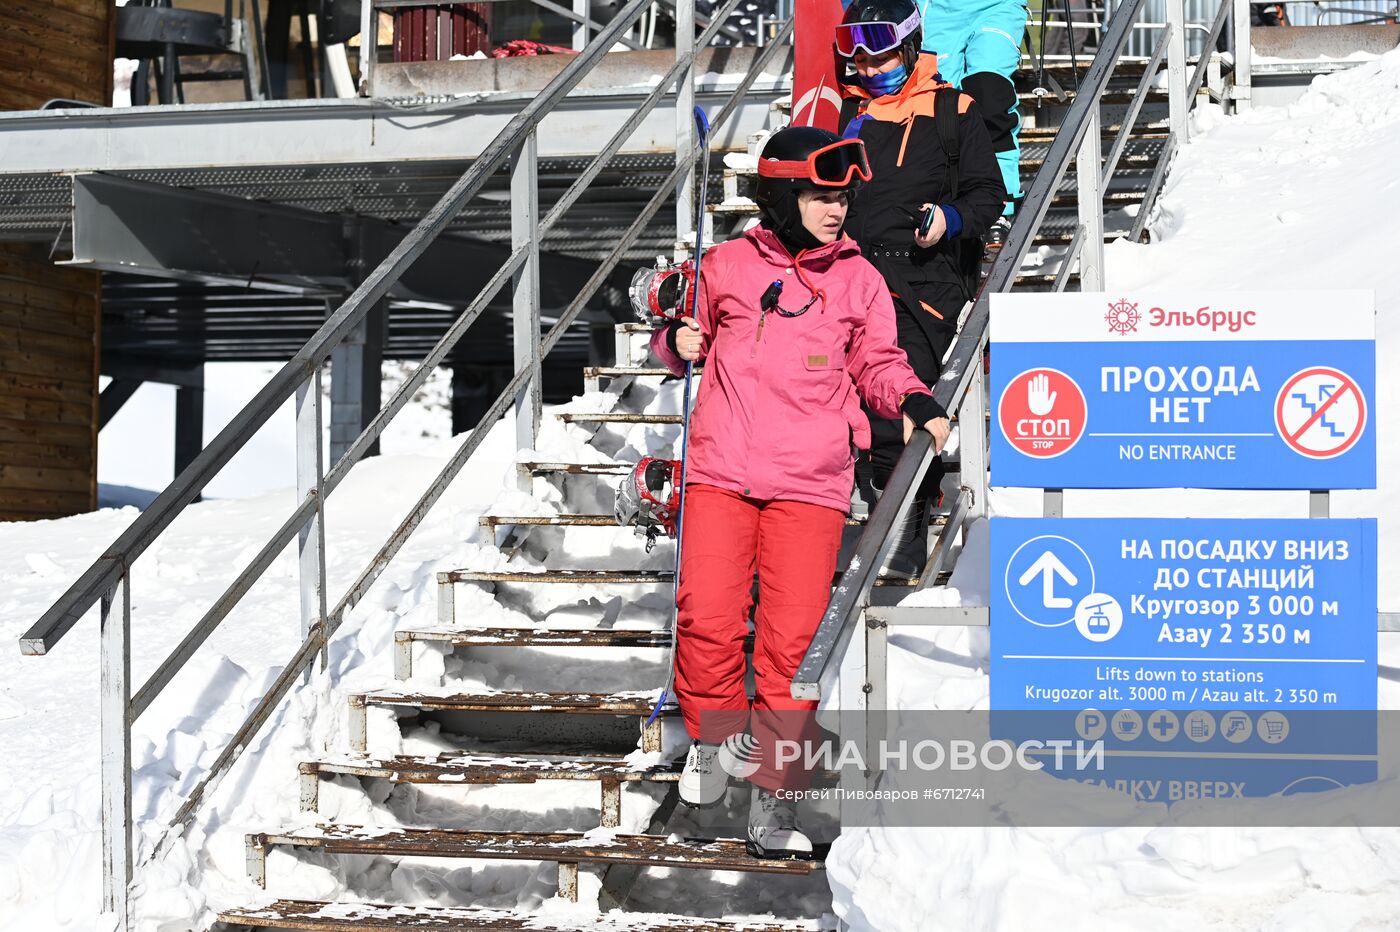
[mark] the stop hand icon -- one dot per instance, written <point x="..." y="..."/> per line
<point x="1042" y="413"/>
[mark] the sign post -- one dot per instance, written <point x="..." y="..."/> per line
<point x="1212" y="656"/>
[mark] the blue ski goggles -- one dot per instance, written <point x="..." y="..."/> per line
<point x="874" y="37"/>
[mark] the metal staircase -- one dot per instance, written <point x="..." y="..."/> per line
<point x="514" y="736"/>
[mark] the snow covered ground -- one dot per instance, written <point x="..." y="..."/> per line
<point x="1285" y="198"/>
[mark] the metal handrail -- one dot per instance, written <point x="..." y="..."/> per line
<point x="102" y="575"/>
<point x="301" y="376"/>
<point x="839" y="622"/>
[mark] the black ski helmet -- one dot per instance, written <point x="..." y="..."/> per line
<point x="891" y="11"/>
<point x="804" y="158"/>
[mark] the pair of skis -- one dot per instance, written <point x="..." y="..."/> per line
<point x="702" y="127"/>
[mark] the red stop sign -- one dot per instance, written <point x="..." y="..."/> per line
<point x="1042" y="413"/>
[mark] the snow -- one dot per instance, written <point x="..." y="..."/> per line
<point x="1295" y="197"/>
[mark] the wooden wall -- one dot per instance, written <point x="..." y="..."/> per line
<point x="49" y="315"/>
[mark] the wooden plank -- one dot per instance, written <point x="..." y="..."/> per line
<point x="14" y="431"/>
<point x="27" y="263"/>
<point x="27" y="505"/>
<point x="46" y="412"/>
<point x="30" y="27"/>
<point x="76" y="324"/>
<point x="80" y="388"/>
<point x="44" y="364"/>
<point x="46" y="454"/>
<point x="67" y="13"/>
<point x="56" y="77"/>
<point x="24" y="340"/>
<point x="43" y="478"/>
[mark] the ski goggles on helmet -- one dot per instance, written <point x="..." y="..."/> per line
<point x="661" y="292"/>
<point x="830" y="166"/>
<point x="874" y="37"/>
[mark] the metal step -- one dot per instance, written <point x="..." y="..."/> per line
<point x="463" y="638"/>
<point x="577" y="469"/>
<point x="567" y="849"/>
<point x="495" y="767"/>
<point x="493" y="521"/>
<point x="617" y="372"/>
<point x="624" y="418"/>
<point x="603" y="577"/>
<point x="316" y="916"/>
<point x="633" y="704"/>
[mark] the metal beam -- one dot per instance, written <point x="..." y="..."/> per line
<point x="342" y="132"/>
<point x="137" y="227"/>
<point x="122" y="366"/>
<point x="116" y="394"/>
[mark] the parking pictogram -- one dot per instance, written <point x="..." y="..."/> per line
<point x="1320" y="412"/>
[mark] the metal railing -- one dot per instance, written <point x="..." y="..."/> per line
<point x="301" y="378"/>
<point x="961" y="389"/>
<point x="577" y="13"/>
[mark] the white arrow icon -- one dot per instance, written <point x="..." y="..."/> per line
<point x="1048" y="566"/>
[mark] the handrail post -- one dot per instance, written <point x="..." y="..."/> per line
<point x="116" y="752"/>
<point x="369" y="45"/>
<point x="581" y="25"/>
<point x="1176" y="69"/>
<point x="972" y="439"/>
<point x="685" y="125"/>
<point x="524" y="231"/>
<point x="311" y="540"/>
<point x="1088" y="165"/>
<point x="1242" y="81"/>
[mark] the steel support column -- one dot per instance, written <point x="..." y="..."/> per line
<point x="1176" y="69"/>
<point x="1088" y="167"/>
<point x="524" y="231"/>
<point x="116" y="752"/>
<point x="356" y="381"/>
<point x="1242" y="81"/>
<point x="189" y="422"/>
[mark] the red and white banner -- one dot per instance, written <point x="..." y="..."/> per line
<point x="816" y="99"/>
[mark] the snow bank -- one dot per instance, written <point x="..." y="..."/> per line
<point x="1296" y="197"/>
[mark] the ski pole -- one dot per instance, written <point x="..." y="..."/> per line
<point x="702" y="127"/>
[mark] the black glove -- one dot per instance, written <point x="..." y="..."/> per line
<point x="673" y="328"/>
<point x="922" y="408"/>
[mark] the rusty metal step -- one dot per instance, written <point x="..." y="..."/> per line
<point x="577" y="469"/>
<point x="492" y="521"/>
<point x="620" y="705"/>
<point x="567" y="849"/>
<point x="589" y="417"/>
<point x="315" y="916"/>
<point x="463" y="638"/>
<point x="495" y="767"/>
<point x="617" y="372"/>
<point x="601" y="577"/>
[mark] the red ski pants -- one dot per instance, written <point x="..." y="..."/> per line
<point x="793" y="546"/>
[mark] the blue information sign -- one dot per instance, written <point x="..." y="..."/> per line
<point x="1252" y="391"/>
<point x="1216" y="640"/>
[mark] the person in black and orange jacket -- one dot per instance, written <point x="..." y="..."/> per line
<point x="929" y="149"/>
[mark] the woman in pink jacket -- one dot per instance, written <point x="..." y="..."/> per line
<point x="794" y="328"/>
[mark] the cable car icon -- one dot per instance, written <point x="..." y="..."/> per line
<point x="1098" y="620"/>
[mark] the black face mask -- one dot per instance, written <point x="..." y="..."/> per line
<point x="785" y="220"/>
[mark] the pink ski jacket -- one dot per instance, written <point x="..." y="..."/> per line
<point x="777" y="415"/>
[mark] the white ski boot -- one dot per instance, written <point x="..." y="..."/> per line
<point x="702" y="781"/>
<point x="773" y="831"/>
